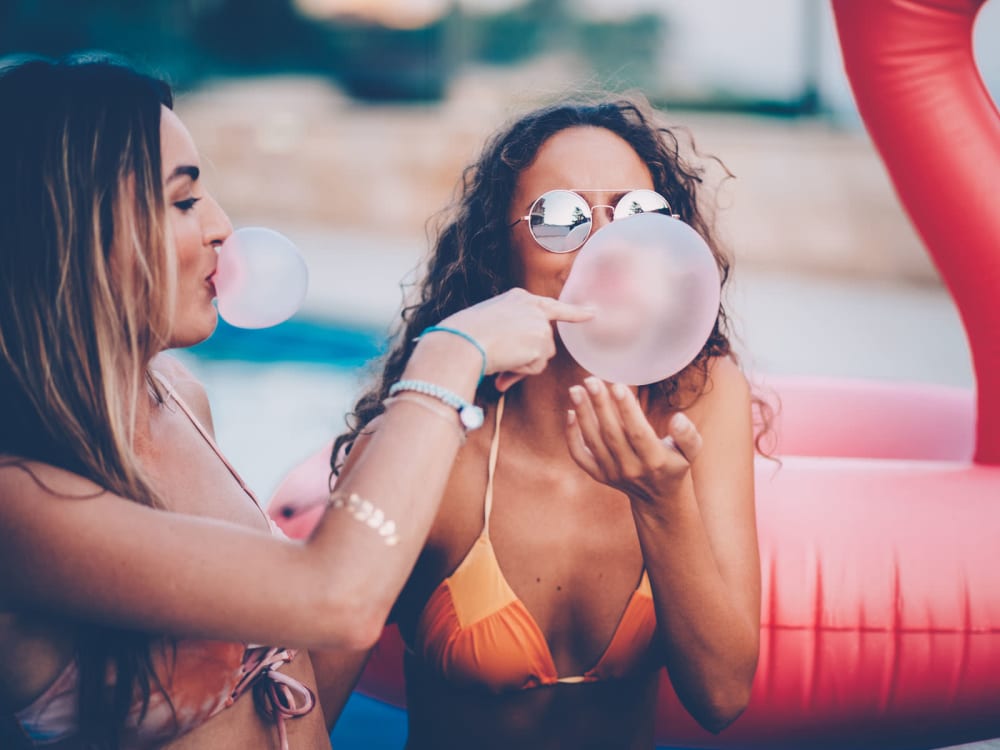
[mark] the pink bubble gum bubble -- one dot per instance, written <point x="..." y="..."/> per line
<point x="261" y="279"/>
<point x="655" y="285"/>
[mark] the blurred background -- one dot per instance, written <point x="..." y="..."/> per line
<point x="345" y="124"/>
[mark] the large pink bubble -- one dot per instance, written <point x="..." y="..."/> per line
<point x="261" y="279"/>
<point x="655" y="285"/>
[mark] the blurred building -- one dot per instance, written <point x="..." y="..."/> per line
<point x="303" y="105"/>
<point x="770" y="56"/>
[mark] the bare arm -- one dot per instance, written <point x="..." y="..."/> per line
<point x="696" y="524"/>
<point x="82" y="553"/>
<point x="87" y="554"/>
<point x="338" y="670"/>
<point x="337" y="673"/>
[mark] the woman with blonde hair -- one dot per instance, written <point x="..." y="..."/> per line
<point x="139" y="572"/>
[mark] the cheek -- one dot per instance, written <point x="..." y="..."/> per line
<point x="545" y="273"/>
<point x="187" y="245"/>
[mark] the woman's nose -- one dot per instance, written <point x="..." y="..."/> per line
<point x="601" y="215"/>
<point x="216" y="224"/>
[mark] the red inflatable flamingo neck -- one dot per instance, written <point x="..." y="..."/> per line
<point x="928" y="112"/>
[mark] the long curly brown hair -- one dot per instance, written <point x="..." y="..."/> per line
<point x="471" y="259"/>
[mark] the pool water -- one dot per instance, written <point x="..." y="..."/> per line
<point x="278" y="394"/>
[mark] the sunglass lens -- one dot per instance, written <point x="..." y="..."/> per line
<point x="641" y="202"/>
<point x="560" y="221"/>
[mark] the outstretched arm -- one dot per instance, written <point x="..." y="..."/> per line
<point x="82" y="553"/>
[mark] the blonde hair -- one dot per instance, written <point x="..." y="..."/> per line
<point x="86" y="299"/>
<point x="86" y="288"/>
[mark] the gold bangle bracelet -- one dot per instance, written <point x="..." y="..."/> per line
<point x="367" y="513"/>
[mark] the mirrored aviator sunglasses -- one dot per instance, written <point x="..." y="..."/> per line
<point x="561" y="220"/>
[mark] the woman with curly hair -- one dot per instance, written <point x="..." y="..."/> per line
<point x="576" y="551"/>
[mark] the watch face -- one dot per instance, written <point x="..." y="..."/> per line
<point x="471" y="417"/>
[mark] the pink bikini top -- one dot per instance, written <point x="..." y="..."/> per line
<point x="199" y="678"/>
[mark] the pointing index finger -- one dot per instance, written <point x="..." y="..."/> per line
<point x="556" y="310"/>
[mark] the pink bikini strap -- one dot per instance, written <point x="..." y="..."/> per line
<point x="276" y="695"/>
<point x="205" y="434"/>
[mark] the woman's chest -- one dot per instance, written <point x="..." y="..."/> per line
<point x="565" y="550"/>
<point x="571" y="556"/>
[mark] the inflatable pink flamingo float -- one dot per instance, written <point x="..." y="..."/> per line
<point x="880" y="531"/>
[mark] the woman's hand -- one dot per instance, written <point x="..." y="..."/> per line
<point x="611" y="439"/>
<point x="515" y="330"/>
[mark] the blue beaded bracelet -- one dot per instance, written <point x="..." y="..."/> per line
<point x="462" y="334"/>
<point x="470" y="415"/>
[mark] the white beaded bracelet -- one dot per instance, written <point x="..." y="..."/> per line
<point x="470" y="415"/>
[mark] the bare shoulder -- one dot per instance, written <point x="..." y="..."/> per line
<point x="726" y="377"/>
<point x="725" y="389"/>
<point x="719" y="390"/>
<point x="22" y="480"/>
<point x="32" y="490"/>
<point x="186" y="385"/>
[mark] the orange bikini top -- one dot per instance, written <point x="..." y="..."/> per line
<point x="475" y="631"/>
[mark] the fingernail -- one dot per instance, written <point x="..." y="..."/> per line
<point x="593" y="385"/>
<point x="681" y="422"/>
<point x="571" y="417"/>
<point x="619" y="391"/>
<point x="576" y="395"/>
